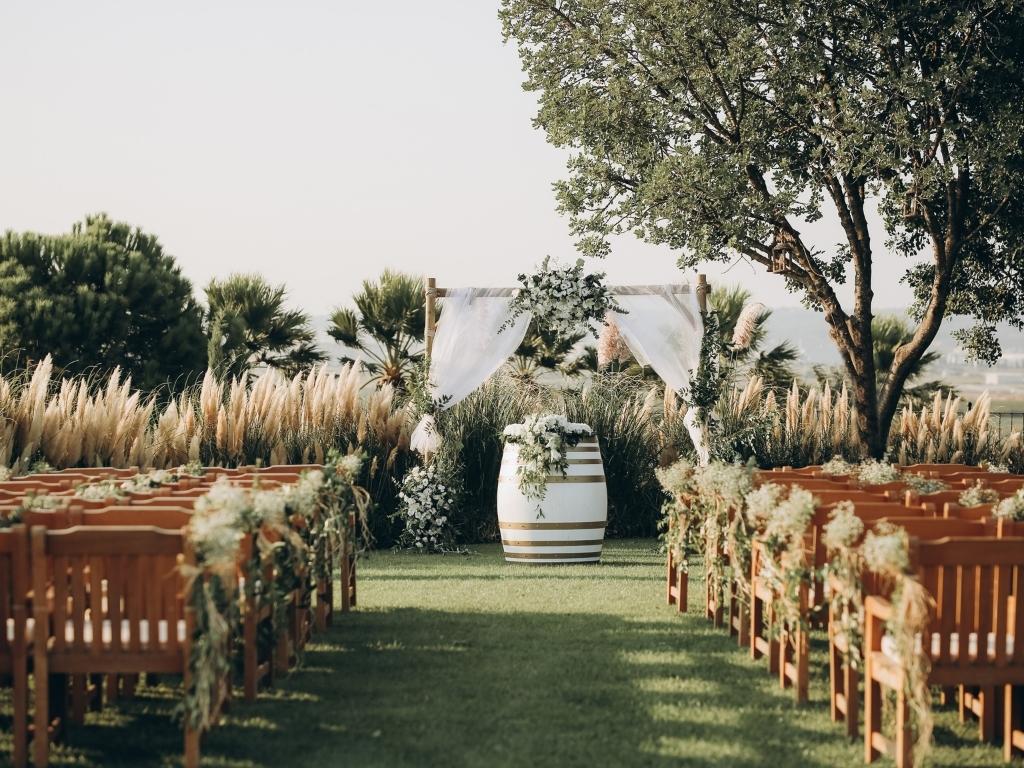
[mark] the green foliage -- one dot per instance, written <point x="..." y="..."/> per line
<point x="249" y="326"/>
<point x="719" y="132"/>
<point x="386" y="328"/>
<point x="543" y="348"/>
<point x="105" y="295"/>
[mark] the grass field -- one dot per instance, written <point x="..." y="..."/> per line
<point x="467" y="661"/>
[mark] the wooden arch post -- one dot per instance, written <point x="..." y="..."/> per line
<point x="702" y="293"/>
<point x="430" y="292"/>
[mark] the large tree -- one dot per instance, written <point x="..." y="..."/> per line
<point x="104" y="295"/>
<point x="249" y="325"/>
<point x="721" y="127"/>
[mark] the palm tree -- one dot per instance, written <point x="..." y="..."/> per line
<point x="248" y="325"/>
<point x="386" y="327"/>
<point x="774" y="365"/>
<point x="542" y="348"/>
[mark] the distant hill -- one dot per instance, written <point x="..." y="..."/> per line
<point x="808" y="331"/>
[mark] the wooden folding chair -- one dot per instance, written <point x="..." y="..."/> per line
<point x="972" y="639"/>
<point x="117" y="608"/>
<point x="15" y="632"/>
<point x="844" y="679"/>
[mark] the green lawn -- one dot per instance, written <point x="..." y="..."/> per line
<point x="467" y="661"/>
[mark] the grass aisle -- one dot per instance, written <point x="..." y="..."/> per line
<point x="467" y="661"/>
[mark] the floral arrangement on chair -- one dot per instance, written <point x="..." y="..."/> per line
<point x="873" y="472"/>
<point x="543" y="441"/>
<point x="886" y="551"/>
<point x="294" y="529"/>
<point x="841" y="536"/>
<point x="1010" y="508"/>
<point x="977" y="495"/>
<point x="564" y="300"/>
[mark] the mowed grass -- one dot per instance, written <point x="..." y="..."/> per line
<point x="467" y="661"/>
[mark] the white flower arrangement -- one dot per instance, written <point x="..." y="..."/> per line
<point x="303" y="498"/>
<point x="977" y="495"/>
<point x="542" y="441"/>
<point x="100" y="490"/>
<point x="887" y="551"/>
<point x="837" y="465"/>
<point x="677" y="479"/>
<point x="843" y="529"/>
<point x="427" y="503"/>
<point x="43" y="501"/>
<point x="149" y="482"/>
<point x="5" y="474"/>
<point x="1010" y="508"/>
<point x="924" y="485"/>
<point x="563" y="299"/>
<point x="873" y="472"/>
<point x="762" y="503"/>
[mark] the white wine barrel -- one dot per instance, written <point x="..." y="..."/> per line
<point x="575" y="510"/>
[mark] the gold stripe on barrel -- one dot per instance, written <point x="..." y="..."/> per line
<point x="583" y="449"/>
<point x="584" y="461"/>
<point x="575" y="479"/>
<point x="552" y="479"/>
<point x="552" y="526"/>
<point x="559" y="543"/>
<point x="550" y="555"/>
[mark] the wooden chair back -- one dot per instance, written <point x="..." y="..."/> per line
<point x="938" y="527"/>
<point x="181" y="502"/>
<point x="980" y="512"/>
<point x="856" y="495"/>
<point x="14" y="587"/>
<point x="978" y="622"/>
<point x="934" y="469"/>
<point x="172" y="518"/>
<point x="117" y="598"/>
<point x="22" y="486"/>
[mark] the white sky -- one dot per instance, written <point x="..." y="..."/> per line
<point x="315" y="142"/>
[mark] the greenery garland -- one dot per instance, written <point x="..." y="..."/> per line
<point x="295" y="530"/>
<point x="841" y="537"/>
<point x="886" y="551"/>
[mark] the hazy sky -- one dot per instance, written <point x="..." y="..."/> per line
<point x="315" y="142"/>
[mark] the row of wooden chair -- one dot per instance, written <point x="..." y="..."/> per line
<point x="971" y="530"/>
<point x="95" y="592"/>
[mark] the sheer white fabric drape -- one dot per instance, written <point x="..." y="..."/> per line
<point x="467" y="350"/>
<point x="664" y="330"/>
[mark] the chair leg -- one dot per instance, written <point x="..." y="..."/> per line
<point x="191" y="747"/>
<point x="987" y="713"/>
<point x="835" y="669"/>
<point x="756" y="624"/>
<point x="19" y="753"/>
<point x="41" y="739"/>
<point x="850" y="682"/>
<point x="682" y="600"/>
<point x="801" y="663"/>
<point x="904" y="738"/>
<point x="774" y="650"/>
<point x="744" y="624"/>
<point x="1009" y="710"/>
<point x="783" y="659"/>
<point x="346" y="596"/>
<point x="872" y="715"/>
<point x="79" y="692"/>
